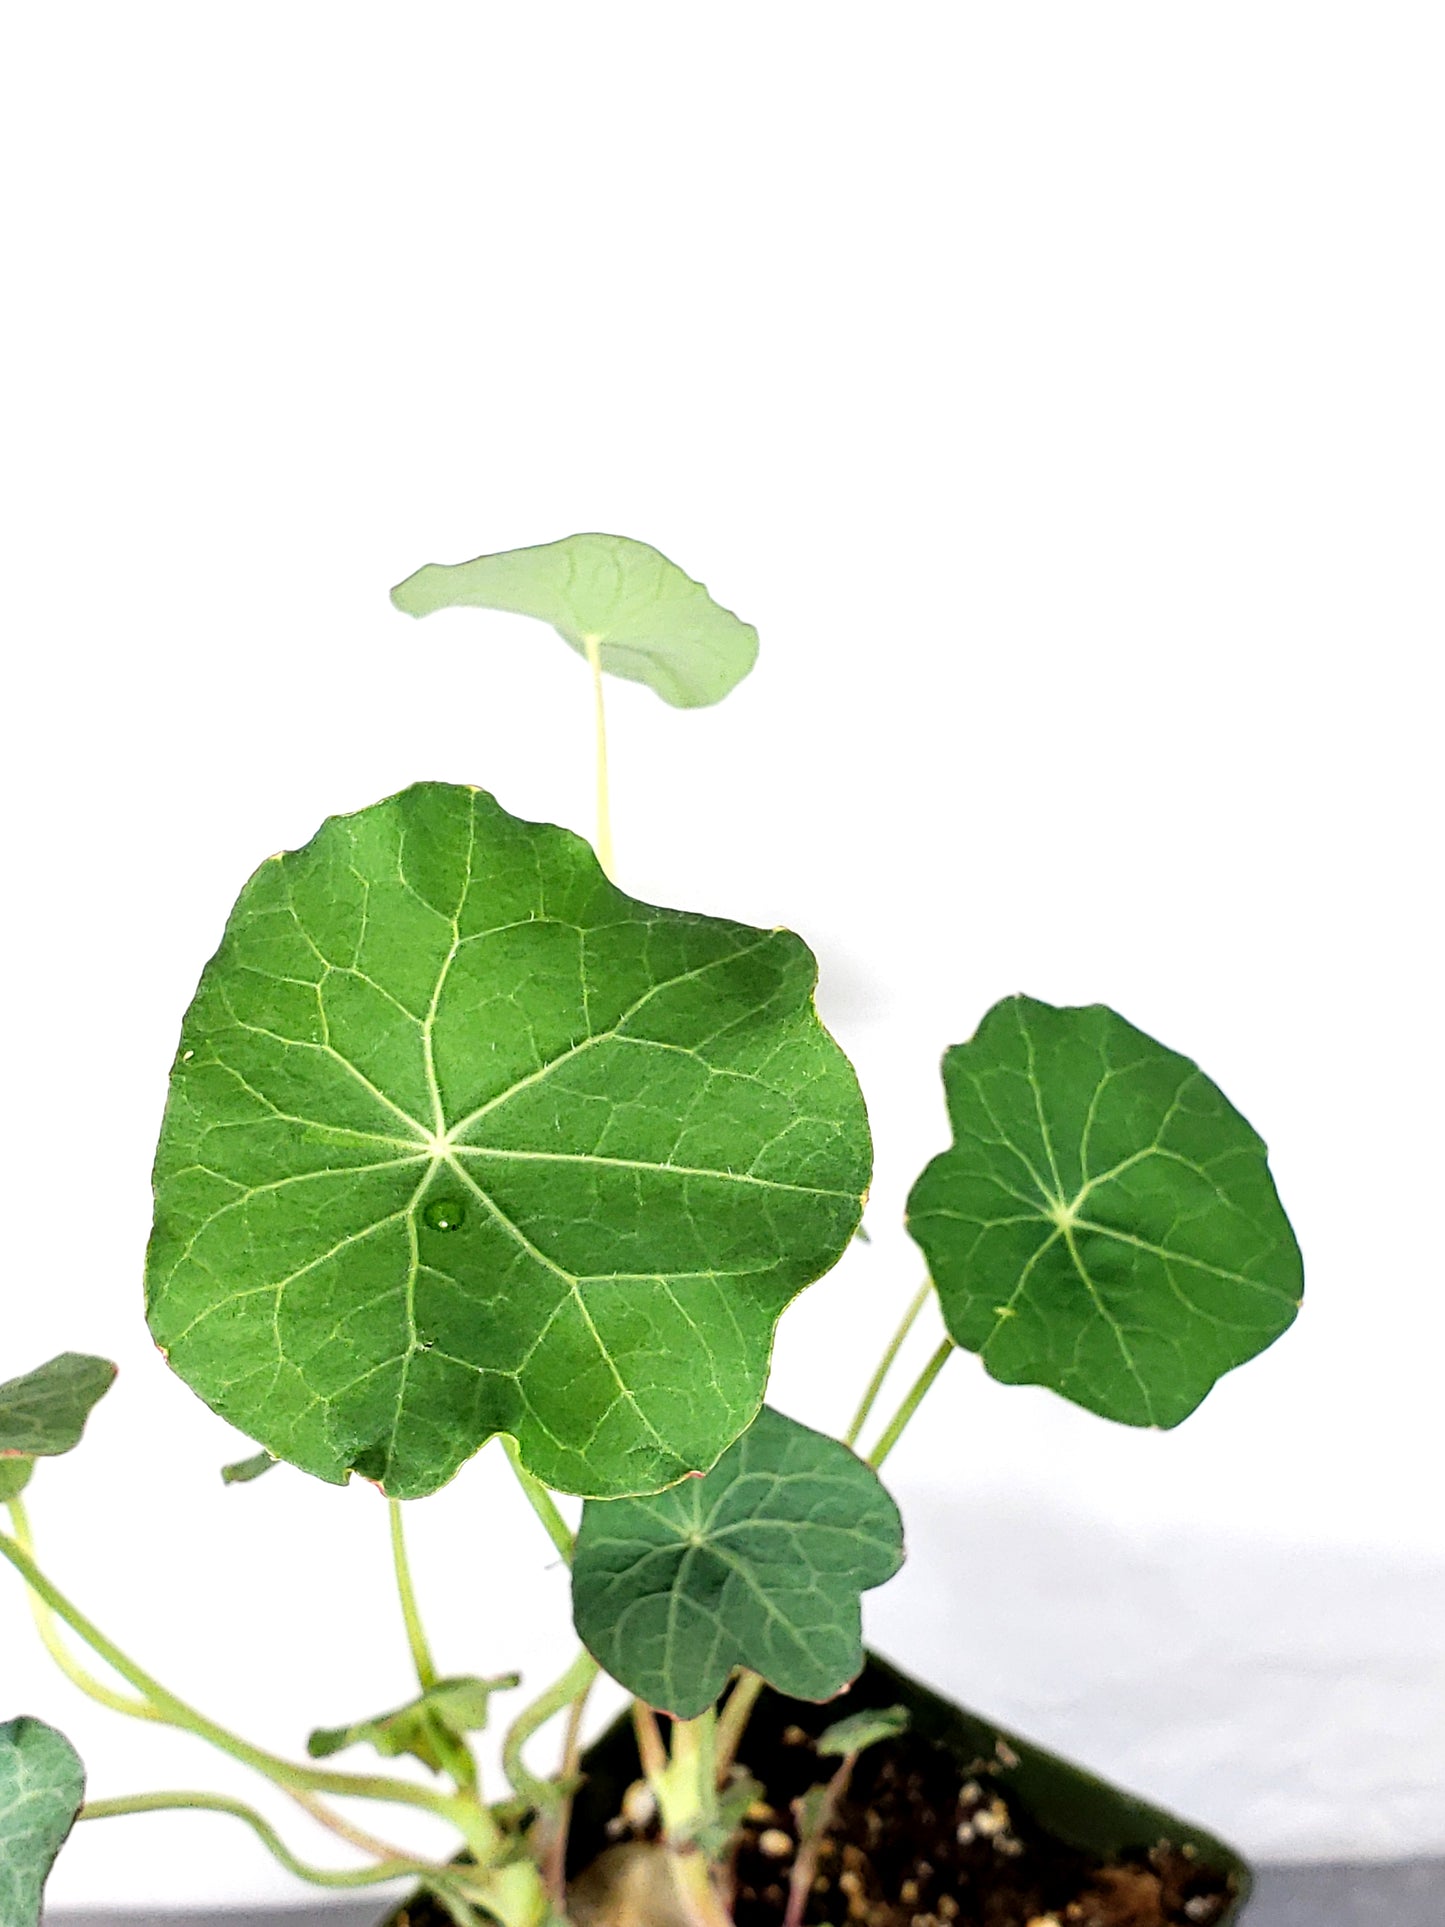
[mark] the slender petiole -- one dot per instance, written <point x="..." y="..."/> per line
<point x="733" y="1720"/>
<point x="554" y="1869"/>
<point x="426" y="1671"/>
<point x="173" y="1711"/>
<point x="398" y="1866"/>
<point x="136" y="1709"/>
<point x="540" y="1500"/>
<point x="885" y="1364"/>
<point x="897" y="1424"/>
<point x="577" y="1680"/>
<point x="593" y="645"/>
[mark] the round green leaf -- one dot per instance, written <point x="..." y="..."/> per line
<point x="759" y="1564"/>
<point x="42" y="1784"/>
<point x="650" y="622"/>
<point x="462" y="1140"/>
<point x="43" y="1414"/>
<point x="1105" y="1223"/>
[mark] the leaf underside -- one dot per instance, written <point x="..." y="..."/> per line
<point x="42" y="1784"/>
<point x="652" y="623"/>
<point x="760" y="1564"/>
<point x="448" y="1711"/>
<point x="43" y="1414"/>
<point x="462" y="1140"/>
<point x="1105" y="1223"/>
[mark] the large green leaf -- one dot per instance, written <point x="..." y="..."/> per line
<point x="650" y="622"/>
<point x="759" y="1564"/>
<point x="462" y="1140"/>
<point x="42" y="1784"/>
<point x="43" y="1414"/>
<point x="1105" y="1223"/>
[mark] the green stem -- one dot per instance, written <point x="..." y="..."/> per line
<point x="540" y="1500"/>
<point x="554" y="1859"/>
<point x="910" y="1405"/>
<point x="733" y="1720"/>
<point x="593" y="646"/>
<point x="576" y="1680"/>
<point x="693" y="1880"/>
<point x="136" y="1709"/>
<point x="397" y="1868"/>
<point x="885" y="1364"/>
<point x="426" y="1671"/>
<point x="173" y="1711"/>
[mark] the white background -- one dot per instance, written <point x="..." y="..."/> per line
<point x="1058" y="388"/>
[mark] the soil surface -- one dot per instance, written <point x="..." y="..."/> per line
<point x="917" y="1842"/>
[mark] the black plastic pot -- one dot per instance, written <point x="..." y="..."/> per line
<point x="1080" y="1810"/>
<point x="1070" y="1803"/>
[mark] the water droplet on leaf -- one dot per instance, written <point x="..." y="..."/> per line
<point x="444" y="1214"/>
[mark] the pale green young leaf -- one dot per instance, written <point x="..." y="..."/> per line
<point x="43" y="1414"/>
<point x="42" y="1784"/>
<point x="651" y="623"/>
<point x="759" y="1564"/>
<point x="247" y="1471"/>
<point x="422" y="1728"/>
<point x="859" y="1731"/>
<point x="1105" y="1223"/>
<point x="462" y="1140"/>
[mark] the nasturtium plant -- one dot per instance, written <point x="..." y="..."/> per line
<point x="643" y="617"/>
<point x="761" y="1564"/>
<point x="1105" y="1223"/>
<point x="42" y="1784"/>
<point x="427" y="1727"/>
<point x="463" y="1142"/>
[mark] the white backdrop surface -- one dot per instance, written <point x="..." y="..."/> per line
<point x="1059" y="390"/>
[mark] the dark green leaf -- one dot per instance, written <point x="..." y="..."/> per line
<point x="43" y="1414"/>
<point x="462" y="1140"/>
<point x="1105" y="1223"/>
<point x="759" y="1564"/>
<point x="42" y="1784"/>
<point x="245" y="1471"/>
<point x="652" y="623"/>
<point x="860" y="1730"/>
<point x="422" y="1728"/>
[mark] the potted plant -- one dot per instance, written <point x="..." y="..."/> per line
<point x="463" y="1142"/>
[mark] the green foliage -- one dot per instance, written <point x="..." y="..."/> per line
<point x="462" y="1140"/>
<point x="847" y="1738"/>
<point x="759" y="1564"/>
<point x="42" y="1784"/>
<point x="427" y="1728"/>
<point x="1105" y="1223"/>
<point x="650" y="622"/>
<point x="14" y="1477"/>
<point x="43" y="1414"/>
<point x="247" y="1471"/>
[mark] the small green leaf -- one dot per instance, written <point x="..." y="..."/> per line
<point x="462" y="1140"/>
<point x="1105" y="1223"/>
<point x="42" y="1784"/>
<point x="759" y="1564"/>
<point x="14" y="1477"/>
<point x="861" y="1730"/>
<point x="423" y="1727"/>
<point x="652" y="623"/>
<point x="43" y="1414"/>
<point x="245" y="1471"/>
